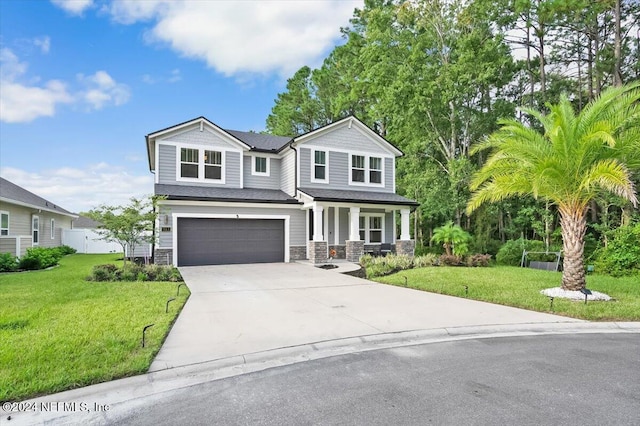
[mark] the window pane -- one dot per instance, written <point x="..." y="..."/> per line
<point x="361" y="222"/>
<point x="213" y="157"/>
<point x="357" y="161"/>
<point x="375" y="163"/>
<point x="261" y="165"/>
<point x="375" y="177"/>
<point x="213" y="172"/>
<point x="375" y="236"/>
<point x="320" y="157"/>
<point x="189" y="155"/>
<point x="375" y="222"/>
<point x="362" y="235"/>
<point x="189" y="170"/>
<point x="4" y="221"/>
<point x="320" y="172"/>
<point x="357" y="175"/>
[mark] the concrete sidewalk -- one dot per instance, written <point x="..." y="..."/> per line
<point x="242" y="309"/>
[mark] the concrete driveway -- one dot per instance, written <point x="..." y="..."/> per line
<point x="242" y="309"/>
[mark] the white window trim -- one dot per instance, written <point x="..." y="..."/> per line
<point x="53" y="228"/>
<point x="3" y="212"/>
<point x="367" y="229"/>
<point x="201" y="164"/>
<point x="253" y="166"/>
<point x="313" y="166"/>
<point x="367" y="169"/>
<point x="33" y="218"/>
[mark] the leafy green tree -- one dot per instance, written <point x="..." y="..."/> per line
<point x="128" y="225"/>
<point x="453" y="238"/>
<point x="568" y="164"/>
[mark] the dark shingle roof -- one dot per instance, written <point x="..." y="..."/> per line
<point x="12" y="192"/>
<point x="83" y="222"/>
<point x="365" y="197"/>
<point x="204" y="193"/>
<point x="261" y="141"/>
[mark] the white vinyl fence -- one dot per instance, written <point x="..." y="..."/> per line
<point x="87" y="241"/>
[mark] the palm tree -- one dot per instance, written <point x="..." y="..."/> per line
<point x="567" y="164"/>
<point x="452" y="237"/>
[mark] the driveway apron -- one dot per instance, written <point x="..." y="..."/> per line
<point x="240" y="309"/>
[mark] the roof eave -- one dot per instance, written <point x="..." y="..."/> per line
<point x="33" y="206"/>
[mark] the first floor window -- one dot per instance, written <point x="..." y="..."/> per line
<point x="189" y="163"/>
<point x="213" y="165"/>
<point x="357" y="168"/>
<point x="53" y="229"/>
<point x="363" y="227"/>
<point x="375" y="170"/>
<point x="4" y="223"/>
<point x="320" y="165"/>
<point x="35" y="230"/>
<point x="375" y="229"/>
<point x="260" y="165"/>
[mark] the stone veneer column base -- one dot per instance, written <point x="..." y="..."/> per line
<point x="163" y="257"/>
<point x="405" y="247"/>
<point x="297" y="253"/>
<point x="317" y="251"/>
<point x="354" y="250"/>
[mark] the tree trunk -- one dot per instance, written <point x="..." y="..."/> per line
<point x="574" y="226"/>
<point x="617" y="55"/>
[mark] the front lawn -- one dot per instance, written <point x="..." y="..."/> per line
<point x="520" y="288"/>
<point x="58" y="331"/>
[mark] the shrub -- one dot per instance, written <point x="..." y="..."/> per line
<point x="30" y="263"/>
<point x="425" y="260"/>
<point x="40" y="258"/>
<point x="481" y="260"/>
<point x="622" y="254"/>
<point x="66" y="250"/>
<point x="511" y="252"/>
<point x="365" y="260"/>
<point x="110" y="272"/>
<point x="397" y="261"/>
<point x="106" y="272"/>
<point x="379" y="269"/>
<point x="450" y="260"/>
<point x="8" y="262"/>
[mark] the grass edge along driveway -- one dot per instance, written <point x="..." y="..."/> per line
<point x="520" y="288"/>
<point x="58" y="331"/>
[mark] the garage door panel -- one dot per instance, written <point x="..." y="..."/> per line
<point x="226" y="241"/>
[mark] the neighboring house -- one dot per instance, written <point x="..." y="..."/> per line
<point x="27" y="220"/>
<point x="85" y="239"/>
<point x="244" y="197"/>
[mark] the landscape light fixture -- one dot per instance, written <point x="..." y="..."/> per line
<point x="551" y="305"/>
<point x="586" y="294"/>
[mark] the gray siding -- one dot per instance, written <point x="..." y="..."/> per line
<point x="338" y="163"/>
<point x="167" y="168"/>
<point x="264" y="182"/>
<point x="288" y="172"/>
<point x="349" y="139"/>
<point x="297" y="220"/>
<point x="344" y="225"/>
<point x="389" y="232"/>
<point x="194" y="136"/>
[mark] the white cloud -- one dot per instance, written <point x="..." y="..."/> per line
<point x="80" y="189"/>
<point x="73" y="7"/>
<point x="23" y="103"/>
<point x="102" y="89"/>
<point x="236" y="37"/>
<point x="174" y="77"/>
<point x="22" y="100"/>
<point x="44" y="43"/>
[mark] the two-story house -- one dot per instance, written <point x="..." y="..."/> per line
<point x="244" y="197"/>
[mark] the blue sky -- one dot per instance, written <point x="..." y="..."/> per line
<point x="83" y="81"/>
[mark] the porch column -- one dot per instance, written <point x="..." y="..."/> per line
<point x="354" y="229"/>
<point x="317" y="222"/>
<point x="404" y="225"/>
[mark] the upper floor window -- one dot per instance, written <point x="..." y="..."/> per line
<point x="320" y="166"/>
<point x="260" y="166"/>
<point x="213" y="165"/>
<point x="366" y="170"/>
<point x="357" y="168"/>
<point x="53" y="229"/>
<point x="189" y="163"/>
<point x="4" y="223"/>
<point x="201" y="164"/>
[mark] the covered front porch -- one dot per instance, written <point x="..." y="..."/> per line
<point x="347" y="229"/>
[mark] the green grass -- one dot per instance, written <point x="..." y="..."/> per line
<point x="58" y="331"/>
<point x="520" y="287"/>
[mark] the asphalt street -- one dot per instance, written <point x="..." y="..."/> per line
<point x="574" y="379"/>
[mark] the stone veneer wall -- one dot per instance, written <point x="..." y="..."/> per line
<point x="341" y="251"/>
<point x="406" y="247"/>
<point x="318" y="251"/>
<point x="163" y="257"/>
<point x="297" y="253"/>
<point x="355" y="249"/>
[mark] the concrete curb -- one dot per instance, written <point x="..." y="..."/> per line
<point x="122" y="396"/>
